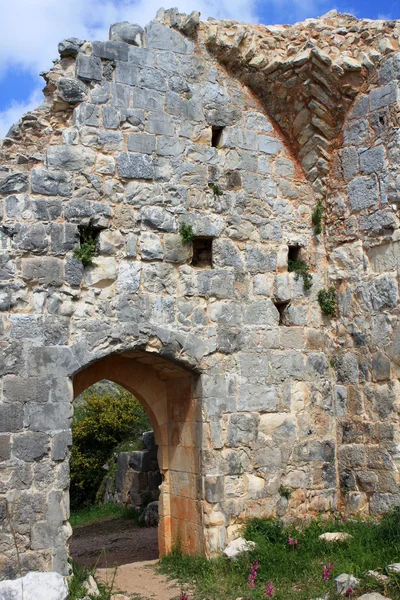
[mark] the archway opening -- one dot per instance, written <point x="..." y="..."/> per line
<point x="167" y="392"/>
<point x="114" y="479"/>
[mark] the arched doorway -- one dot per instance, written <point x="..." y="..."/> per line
<point x="167" y="392"/>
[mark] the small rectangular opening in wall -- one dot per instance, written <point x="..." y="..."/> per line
<point x="202" y="252"/>
<point x="282" y="306"/>
<point x="216" y="136"/>
<point x="294" y="253"/>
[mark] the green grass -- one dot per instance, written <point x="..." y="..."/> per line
<point x="295" y="573"/>
<point x="76" y="589"/>
<point x="101" y="512"/>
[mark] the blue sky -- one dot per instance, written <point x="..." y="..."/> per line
<point x="31" y="29"/>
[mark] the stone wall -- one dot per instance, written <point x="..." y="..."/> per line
<point x="137" y="478"/>
<point x="250" y="389"/>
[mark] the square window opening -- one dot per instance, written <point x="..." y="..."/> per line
<point x="294" y="253"/>
<point x="202" y="252"/>
<point x="282" y="306"/>
<point x="216" y="136"/>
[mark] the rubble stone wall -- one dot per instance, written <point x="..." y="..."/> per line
<point x="260" y="404"/>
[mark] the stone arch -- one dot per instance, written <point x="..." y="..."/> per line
<point x="168" y="393"/>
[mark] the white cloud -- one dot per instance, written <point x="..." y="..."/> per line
<point x="31" y="29"/>
<point x="15" y="110"/>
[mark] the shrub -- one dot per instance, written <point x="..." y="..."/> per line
<point x="187" y="234"/>
<point x="100" y="424"/>
<point x="327" y="301"/>
<point x="216" y="189"/>
<point x="300" y="267"/>
<point x="316" y="217"/>
<point x="86" y="251"/>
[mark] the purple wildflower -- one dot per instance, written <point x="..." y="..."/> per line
<point x="252" y="575"/>
<point x="269" y="590"/>
<point x="326" y="571"/>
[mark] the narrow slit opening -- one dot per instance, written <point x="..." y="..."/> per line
<point x="282" y="306"/>
<point x="216" y="136"/>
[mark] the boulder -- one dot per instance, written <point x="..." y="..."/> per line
<point x="394" y="568"/>
<point x="150" y="514"/>
<point x="35" y="586"/>
<point x="378" y="576"/>
<point x="339" y="536"/>
<point x="237" y="547"/>
<point x="344" y="581"/>
<point x="373" y="596"/>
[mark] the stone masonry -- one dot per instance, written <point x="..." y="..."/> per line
<point x="137" y="478"/>
<point x="260" y="404"/>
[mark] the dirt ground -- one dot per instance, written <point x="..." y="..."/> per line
<point x="123" y="543"/>
<point x="140" y="581"/>
<point x="134" y="550"/>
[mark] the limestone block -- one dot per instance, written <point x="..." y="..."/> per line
<point x="347" y="261"/>
<point x="156" y="217"/>
<point x="216" y="282"/>
<point x="164" y="38"/>
<point x="383" y="96"/>
<point x="71" y="90"/>
<point x="88" y="67"/>
<point x="110" y="241"/>
<point x="102" y="273"/>
<point x="373" y="160"/>
<point x="175" y="250"/>
<point x="142" y="142"/>
<point x="105" y="164"/>
<point x="35" y="586"/>
<point x="135" y="166"/>
<point x="363" y="193"/>
<point x="260" y="259"/>
<point x="51" y="183"/>
<point x="129" y="276"/>
<point x="117" y="51"/>
<point x="16" y="183"/>
<point x="70" y="46"/>
<point x="131" y="33"/>
<point x="241" y="429"/>
<point x="44" y="270"/>
<point x="150" y="246"/>
<point x="70" y="158"/>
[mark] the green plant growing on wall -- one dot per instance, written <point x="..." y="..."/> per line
<point x="328" y="301"/>
<point x="316" y="217"/>
<point x="187" y="234"/>
<point x="285" y="491"/>
<point x="86" y="251"/>
<point x="216" y="189"/>
<point x="300" y="267"/>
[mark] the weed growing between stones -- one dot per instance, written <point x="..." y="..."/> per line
<point x="216" y="189"/>
<point x="284" y="491"/>
<point x="328" y="301"/>
<point x="316" y="217"/>
<point x="308" y="572"/>
<point x="187" y="234"/>
<point x="86" y="251"/>
<point x="300" y="267"/>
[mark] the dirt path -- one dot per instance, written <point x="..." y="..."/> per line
<point x="141" y="580"/>
<point x="118" y="541"/>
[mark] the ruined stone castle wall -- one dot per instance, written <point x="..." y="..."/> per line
<point x="255" y="402"/>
